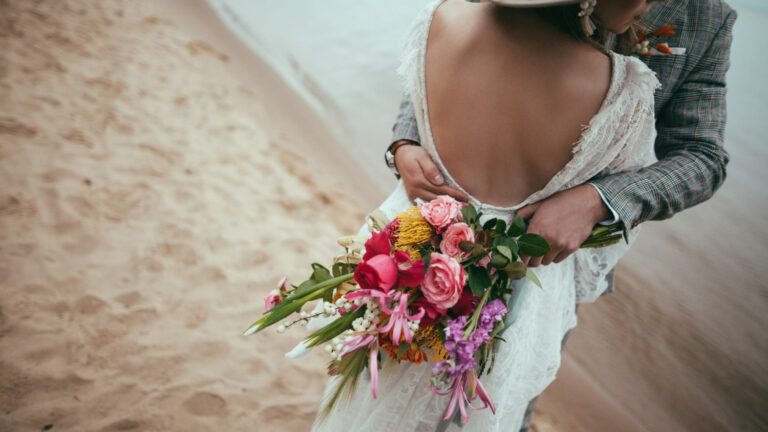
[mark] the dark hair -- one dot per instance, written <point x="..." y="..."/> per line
<point x="567" y="19"/>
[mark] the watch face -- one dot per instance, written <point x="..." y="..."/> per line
<point x="390" y="158"/>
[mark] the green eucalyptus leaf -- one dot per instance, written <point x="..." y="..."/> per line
<point x="500" y="227"/>
<point x="517" y="227"/>
<point x="533" y="245"/>
<point x="479" y="280"/>
<point x="469" y="214"/>
<point x="505" y="251"/>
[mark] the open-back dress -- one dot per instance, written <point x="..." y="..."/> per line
<point x="619" y="137"/>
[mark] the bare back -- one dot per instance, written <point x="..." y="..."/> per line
<point x="507" y="100"/>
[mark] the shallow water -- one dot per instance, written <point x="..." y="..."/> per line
<point x="681" y="345"/>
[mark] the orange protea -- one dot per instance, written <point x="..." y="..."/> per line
<point x="413" y="355"/>
<point x="412" y="231"/>
<point x="429" y="337"/>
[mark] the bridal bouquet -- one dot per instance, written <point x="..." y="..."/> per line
<point x="428" y="286"/>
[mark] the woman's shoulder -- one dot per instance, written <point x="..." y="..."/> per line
<point x="634" y="76"/>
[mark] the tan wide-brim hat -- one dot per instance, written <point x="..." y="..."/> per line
<point x="534" y="3"/>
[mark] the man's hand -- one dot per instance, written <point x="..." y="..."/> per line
<point x="565" y="220"/>
<point x="420" y="175"/>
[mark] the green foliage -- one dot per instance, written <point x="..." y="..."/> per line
<point x="334" y="328"/>
<point x="515" y="270"/>
<point x="533" y="245"/>
<point x="293" y="302"/>
<point x="532" y="276"/>
<point x="342" y="268"/>
<point x="469" y="214"/>
<point x="517" y="227"/>
<point x="479" y="280"/>
<point x="500" y="227"/>
<point x="402" y="349"/>
<point x="349" y="369"/>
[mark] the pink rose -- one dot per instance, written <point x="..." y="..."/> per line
<point x="271" y="300"/>
<point x="441" y="212"/>
<point x="444" y="281"/>
<point x="379" y="272"/>
<point x="453" y="236"/>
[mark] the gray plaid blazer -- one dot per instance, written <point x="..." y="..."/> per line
<point x="690" y="117"/>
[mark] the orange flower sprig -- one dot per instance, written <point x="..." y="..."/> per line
<point x="648" y="41"/>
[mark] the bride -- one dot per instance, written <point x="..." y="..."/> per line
<point x="516" y="100"/>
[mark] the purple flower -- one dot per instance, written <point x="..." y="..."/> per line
<point x="462" y="351"/>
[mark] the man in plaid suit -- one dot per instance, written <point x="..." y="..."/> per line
<point x="690" y="112"/>
<point x="690" y="121"/>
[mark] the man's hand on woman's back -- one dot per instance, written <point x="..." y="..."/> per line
<point x="420" y="175"/>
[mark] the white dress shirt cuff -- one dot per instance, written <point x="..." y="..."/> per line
<point x="614" y="215"/>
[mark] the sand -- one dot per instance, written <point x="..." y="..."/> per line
<point x="156" y="179"/>
<point x="152" y="189"/>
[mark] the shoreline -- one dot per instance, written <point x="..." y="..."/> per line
<point x="202" y="20"/>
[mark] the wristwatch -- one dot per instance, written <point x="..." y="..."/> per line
<point x="389" y="156"/>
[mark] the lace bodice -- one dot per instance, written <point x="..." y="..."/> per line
<point x="619" y="137"/>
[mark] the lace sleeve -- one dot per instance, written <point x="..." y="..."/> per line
<point x="593" y="266"/>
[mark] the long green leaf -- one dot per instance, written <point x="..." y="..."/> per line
<point x="349" y="367"/>
<point x="532" y="276"/>
<point x="309" y="289"/>
<point x="333" y="329"/>
<point x="293" y="303"/>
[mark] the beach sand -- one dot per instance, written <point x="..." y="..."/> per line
<point x="156" y="179"/>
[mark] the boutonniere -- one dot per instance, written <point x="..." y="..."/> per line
<point x="652" y="44"/>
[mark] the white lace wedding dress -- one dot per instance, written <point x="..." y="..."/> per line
<point x="618" y="138"/>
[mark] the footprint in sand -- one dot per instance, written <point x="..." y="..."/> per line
<point x="123" y="425"/>
<point x="206" y="404"/>
<point x="89" y="304"/>
<point x="129" y="299"/>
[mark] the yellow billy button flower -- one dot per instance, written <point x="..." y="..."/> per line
<point x="412" y="231"/>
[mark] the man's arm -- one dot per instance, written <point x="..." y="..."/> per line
<point x="421" y="177"/>
<point x="405" y="127"/>
<point x="689" y="145"/>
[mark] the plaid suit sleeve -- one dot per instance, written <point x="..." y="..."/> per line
<point x="405" y="127"/>
<point x="689" y="145"/>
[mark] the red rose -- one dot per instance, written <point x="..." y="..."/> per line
<point x="379" y="272"/>
<point x="432" y="313"/>
<point x="466" y="304"/>
<point x="378" y="244"/>
<point x="411" y="273"/>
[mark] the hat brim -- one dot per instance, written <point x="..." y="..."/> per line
<point x="534" y="3"/>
